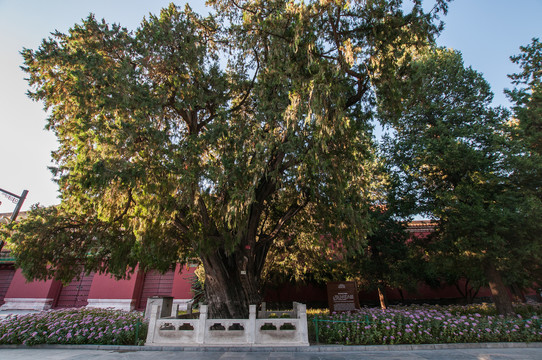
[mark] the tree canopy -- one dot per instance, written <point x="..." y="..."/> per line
<point x="527" y="96"/>
<point x="207" y="136"/>
<point x="463" y="162"/>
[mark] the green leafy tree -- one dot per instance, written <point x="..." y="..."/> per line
<point x="206" y="137"/>
<point x="527" y="96"/>
<point x="389" y="257"/>
<point x="527" y="108"/>
<point x="461" y="159"/>
<point x="386" y="260"/>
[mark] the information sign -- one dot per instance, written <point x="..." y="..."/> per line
<point x="342" y="296"/>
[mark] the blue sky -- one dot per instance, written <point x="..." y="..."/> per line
<point x="487" y="32"/>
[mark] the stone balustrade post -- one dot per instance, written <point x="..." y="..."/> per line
<point x="202" y="324"/>
<point x="294" y="309"/>
<point x="251" y="331"/>
<point x="303" y="328"/>
<point x="154" y="316"/>
<point x="174" y="310"/>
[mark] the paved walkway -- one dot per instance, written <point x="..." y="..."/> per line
<point x="520" y="352"/>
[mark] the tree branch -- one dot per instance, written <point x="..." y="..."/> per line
<point x="342" y="62"/>
<point x="363" y="87"/>
<point x="208" y="223"/>
<point x="289" y="214"/>
<point x="180" y="225"/>
<point x="126" y="207"/>
<point x="245" y="97"/>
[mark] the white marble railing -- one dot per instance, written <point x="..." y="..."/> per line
<point x="236" y="332"/>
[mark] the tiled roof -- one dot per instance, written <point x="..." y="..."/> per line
<point x="421" y="225"/>
<point x="6" y="258"/>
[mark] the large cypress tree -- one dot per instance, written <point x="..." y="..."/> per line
<point x="205" y="137"/>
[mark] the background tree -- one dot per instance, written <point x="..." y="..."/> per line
<point x="386" y="260"/>
<point x="461" y="157"/>
<point x="389" y="258"/>
<point x="527" y="100"/>
<point x="527" y="96"/>
<point x="207" y="136"/>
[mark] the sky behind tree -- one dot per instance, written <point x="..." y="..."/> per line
<point x="487" y="32"/>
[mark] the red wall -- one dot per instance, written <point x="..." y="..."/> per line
<point x="21" y="288"/>
<point x="105" y="286"/>
<point x="181" y="282"/>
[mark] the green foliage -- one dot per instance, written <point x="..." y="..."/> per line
<point x="182" y="155"/>
<point x="527" y="99"/>
<point x="197" y="287"/>
<point x="301" y="257"/>
<point x="51" y="237"/>
<point x="389" y="259"/>
<point x="527" y="96"/>
<point x="464" y="163"/>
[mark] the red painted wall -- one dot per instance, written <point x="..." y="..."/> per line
<point x="105" y="286"/>
<point x="20" y="288"/>
<point x="181" y="282"/>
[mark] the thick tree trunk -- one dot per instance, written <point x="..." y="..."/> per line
<point x="382" y="296"/>
<point x="231" y="285"/>
<point x="499" y="291"/>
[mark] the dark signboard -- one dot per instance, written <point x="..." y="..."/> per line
<point x="342" y="296"/>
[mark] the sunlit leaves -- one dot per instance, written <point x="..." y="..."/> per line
<point x="217" y="134"/>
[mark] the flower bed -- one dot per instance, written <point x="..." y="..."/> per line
<point x="424" y="325"/>
<point x="371" y="326"/>
<point x="74" y="326"/>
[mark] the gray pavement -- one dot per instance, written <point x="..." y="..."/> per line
<point x="487" y="352"/>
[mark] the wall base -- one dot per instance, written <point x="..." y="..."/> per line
<point x="37" y="304"/>
<point x="117" y="304"/>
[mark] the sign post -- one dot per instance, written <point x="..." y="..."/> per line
<point x="342" y="296"/>
<point x="16" y="199"/>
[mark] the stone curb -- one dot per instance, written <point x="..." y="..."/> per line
<point x="312" y="348"/>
